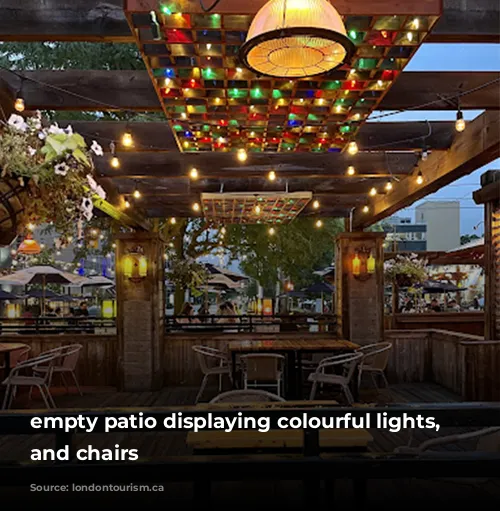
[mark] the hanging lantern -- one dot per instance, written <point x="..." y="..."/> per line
<point x="295" y="39"/>
<point x="29" y="246"/>
<point x="356" y="265"/>
<point x="370" y="263"/>
<point x="135" y="265"/>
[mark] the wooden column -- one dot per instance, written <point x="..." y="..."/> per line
<point x="360" y="301"/>
<point x="492" y="270"/>
<point x="141" y="311"/>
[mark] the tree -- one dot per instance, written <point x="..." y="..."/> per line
<point x="293" y="252"/>
<point x="467" y="238"/>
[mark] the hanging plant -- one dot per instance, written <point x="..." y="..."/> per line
<point x="406" y="271"/>
<point x="187" y="274"/>
<point x="55" y="168"/>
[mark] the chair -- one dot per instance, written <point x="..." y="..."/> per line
<point x="67" y="359"/>
<point x="347" y="362"/>
<point x="18" y="356"/>
<point x="205" y="356"/>
<point x="488" y="441"/>
<point x="375" y="359"/>
<point x="16" y="379"/>
<point x="243" y="396"/>
<point x="260" y="369"/>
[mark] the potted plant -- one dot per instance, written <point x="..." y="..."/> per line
<point x="406" y="271"/>
<point x="48" y="172"/>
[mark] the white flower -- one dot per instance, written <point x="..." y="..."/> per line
<point x="92" y="182"/>
<point x="56" y="130"/>
<point x="17" y="122"/>
<point x="87" y="207"/>
<point x="31" y="151"/>
<point x="61" y="169"/>
<point x="96" y="148"/>
<point x="69" y="130"/>
<point x="100" y="191"/>
<point x="42" y="135"/>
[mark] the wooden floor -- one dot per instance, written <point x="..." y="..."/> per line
<point x="165" y="444"/>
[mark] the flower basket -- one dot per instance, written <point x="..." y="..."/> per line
<point x="406" y="271"/>
<point x="403" y="280"/>
<point x="13" y="199"/>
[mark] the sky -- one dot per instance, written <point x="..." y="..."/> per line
<point x="445" y="57"/>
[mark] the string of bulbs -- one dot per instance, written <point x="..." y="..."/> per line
<point x="352" y="149"/>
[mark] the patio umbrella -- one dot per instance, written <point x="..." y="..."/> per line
<point x="320" y="288"/>
<point x="435" y="286"/>
<point x="41" y="275"/>
<point x="48" y="295"/>
<point x="97" y="281"/>
<point x="4" y="295"/>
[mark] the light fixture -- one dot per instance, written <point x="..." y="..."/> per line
<point x="420" y="178"/>
<point x="19" y="104"/>
<point x="137" y="193"/>
<point x="272" y="231"/>
<point x="319" y="223"/>
<point x="352" y="148"/>
<point x="114" y="162"/>
<point x="239" y="70"/>
<point x="173" y="221"/>
<point x="29" y="246"/>
<point x="127" y="203"/>
<point x="242" y="155"/>
<point x="135" y="264"/>
<point x="351" y="171"/>
<point x="209" y="46"/>
<point x="196" y="207"/>
<point x="389" y="186"/>
<point x="460" y="122"/>
<point x="356" y="265"/>
<point x="31" y="227"/>
<point x="257" y="210"/>
<point x="370" y="263"/>
<point x="127" y="140"/>
<point x="316" y="204"/>
<point x="425" y="154"/>
<point x="409" y="36"/>
<point x="416" y="23"/>
<point x="271" y="176"/>
<point x="373" y="192"/>
<point x="193" y="173"/>
<point x="295" y="39"/>
<point x="366" y="209"/>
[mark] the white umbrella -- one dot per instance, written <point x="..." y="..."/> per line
<point x="97" y="281"/>
<point x="41" y="275"/>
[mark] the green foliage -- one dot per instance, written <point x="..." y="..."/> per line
<point x="413" y="269"/>
<point x="187" y="274"/>
<point x="295" y="251"/>
<point x="467" y="238"/>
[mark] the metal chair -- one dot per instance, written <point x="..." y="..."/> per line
<point x="347" y="362"/>
<point x="206" y="356"/>
<point x="249" y="395"/>
<point x="263" y="370"/>
<point x="375" y="359"/>
<point x="67" y="359"/>
<point x="16" y="379"/>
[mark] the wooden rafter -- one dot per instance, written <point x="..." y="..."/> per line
<point x="478" y="145"/>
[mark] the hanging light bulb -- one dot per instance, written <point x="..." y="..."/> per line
<point x="271" y="231"/>
<point x="420" y="178"/>
<point x="271" y="176"/>
<point x="31" y="227"/>
<point x="319" y="224"/>
<point x="257" y="209"/>
<point x="137" y="193"/>
<point x="316" y="204"/>
<point x="114" y="162"/>
<point x="409" y="36"/>
<point x="127" y="139"/>
<point x="388" y="186"/>
<point x="19" y="104"/>
<point x="127" y="203"/>
<point x="196" y="207"/>
<point x="460" y="122"/>
<point x="193" y="173"/>
<point x="373" y="192"/>
<point x="352" y="148"/>
<point x="416" y="23"/>
<point x="223" y="230"/>
<point x="425" y="154"/>
<point x="242" y="155"/>
<point x="173" y="221"/>
<point x="351" y="171"/>
<point x="366" y="209"/>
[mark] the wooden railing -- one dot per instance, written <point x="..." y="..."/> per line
<point x="54" y="325"/>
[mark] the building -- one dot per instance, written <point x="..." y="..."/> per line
<point x="405" y="236"/>
<point x="442" y="220"/>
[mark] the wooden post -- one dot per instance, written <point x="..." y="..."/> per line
<point x="492" y="270"/>
<point x="359" y="301"/>
<point x="141" y="313"/>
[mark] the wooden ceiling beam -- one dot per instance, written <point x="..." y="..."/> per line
<point x="346" y="7"/>
<point x="478" y="145"/>
<point x="133" y="90"/>
<point x="64" y="20"/>
<point x="417" y="89"/>
<point x="387" y="136"/>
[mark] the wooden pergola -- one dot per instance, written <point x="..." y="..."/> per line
<point x="282" y="128"/>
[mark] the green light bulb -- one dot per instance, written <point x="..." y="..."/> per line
<point x="352" y="34"/>
<point x="166" y="10"/>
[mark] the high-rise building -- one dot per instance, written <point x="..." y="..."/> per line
<point x="403" y="235"/>
<point x="443" y="224"/>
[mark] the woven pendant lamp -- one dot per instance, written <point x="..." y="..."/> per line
<point x="296" y="39"/>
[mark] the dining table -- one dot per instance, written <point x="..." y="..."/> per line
<point x="6" y="348"/>
<point x="293" y="350"/>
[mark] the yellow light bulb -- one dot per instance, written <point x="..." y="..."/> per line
<point x="127" y="204"/>
<point x="137" y="194"/>
<point x="420" y="178"/>
<point x="319" y="223"/>
<point x="416" y="23"/>
<point x="31" y="226"/>
<point x="272" y="176"/>
<point x="127" y="139"/>
<point x="173" y="221"/>
<point x="366" y="209"/>
<point x="257" y="209"/>
<point x="460" y="125"/>
<point x="242" y="155"/>
<point x="183" y="115"/>
<point x="389" y="186"/>
<point x="409" y="36"/>
<point x="196" y="207"/>
<point x="239" y="70"/>
<point x="193" y="173"/>
<point x="115" y="162"/>
<point x="373" y="192"/>
<point x="19" y="105"/>
<point x="352" y="148"/>
<point x="272" y="231"/>
<point x="351" y="171"/>
<point x="316" y="204"/>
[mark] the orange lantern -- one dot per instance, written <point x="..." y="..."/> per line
<point x="29" y="246"/>
<point x="135" y="265"/>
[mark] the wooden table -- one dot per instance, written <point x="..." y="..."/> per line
<point x="293" y="350"/>
<point x="6" y="348"/>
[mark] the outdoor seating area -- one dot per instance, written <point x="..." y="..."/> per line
<point x="248" y="206"/>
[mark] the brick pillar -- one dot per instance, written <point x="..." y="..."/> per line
<point x="359" y="301"/>
<point x="141" y="310"/>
